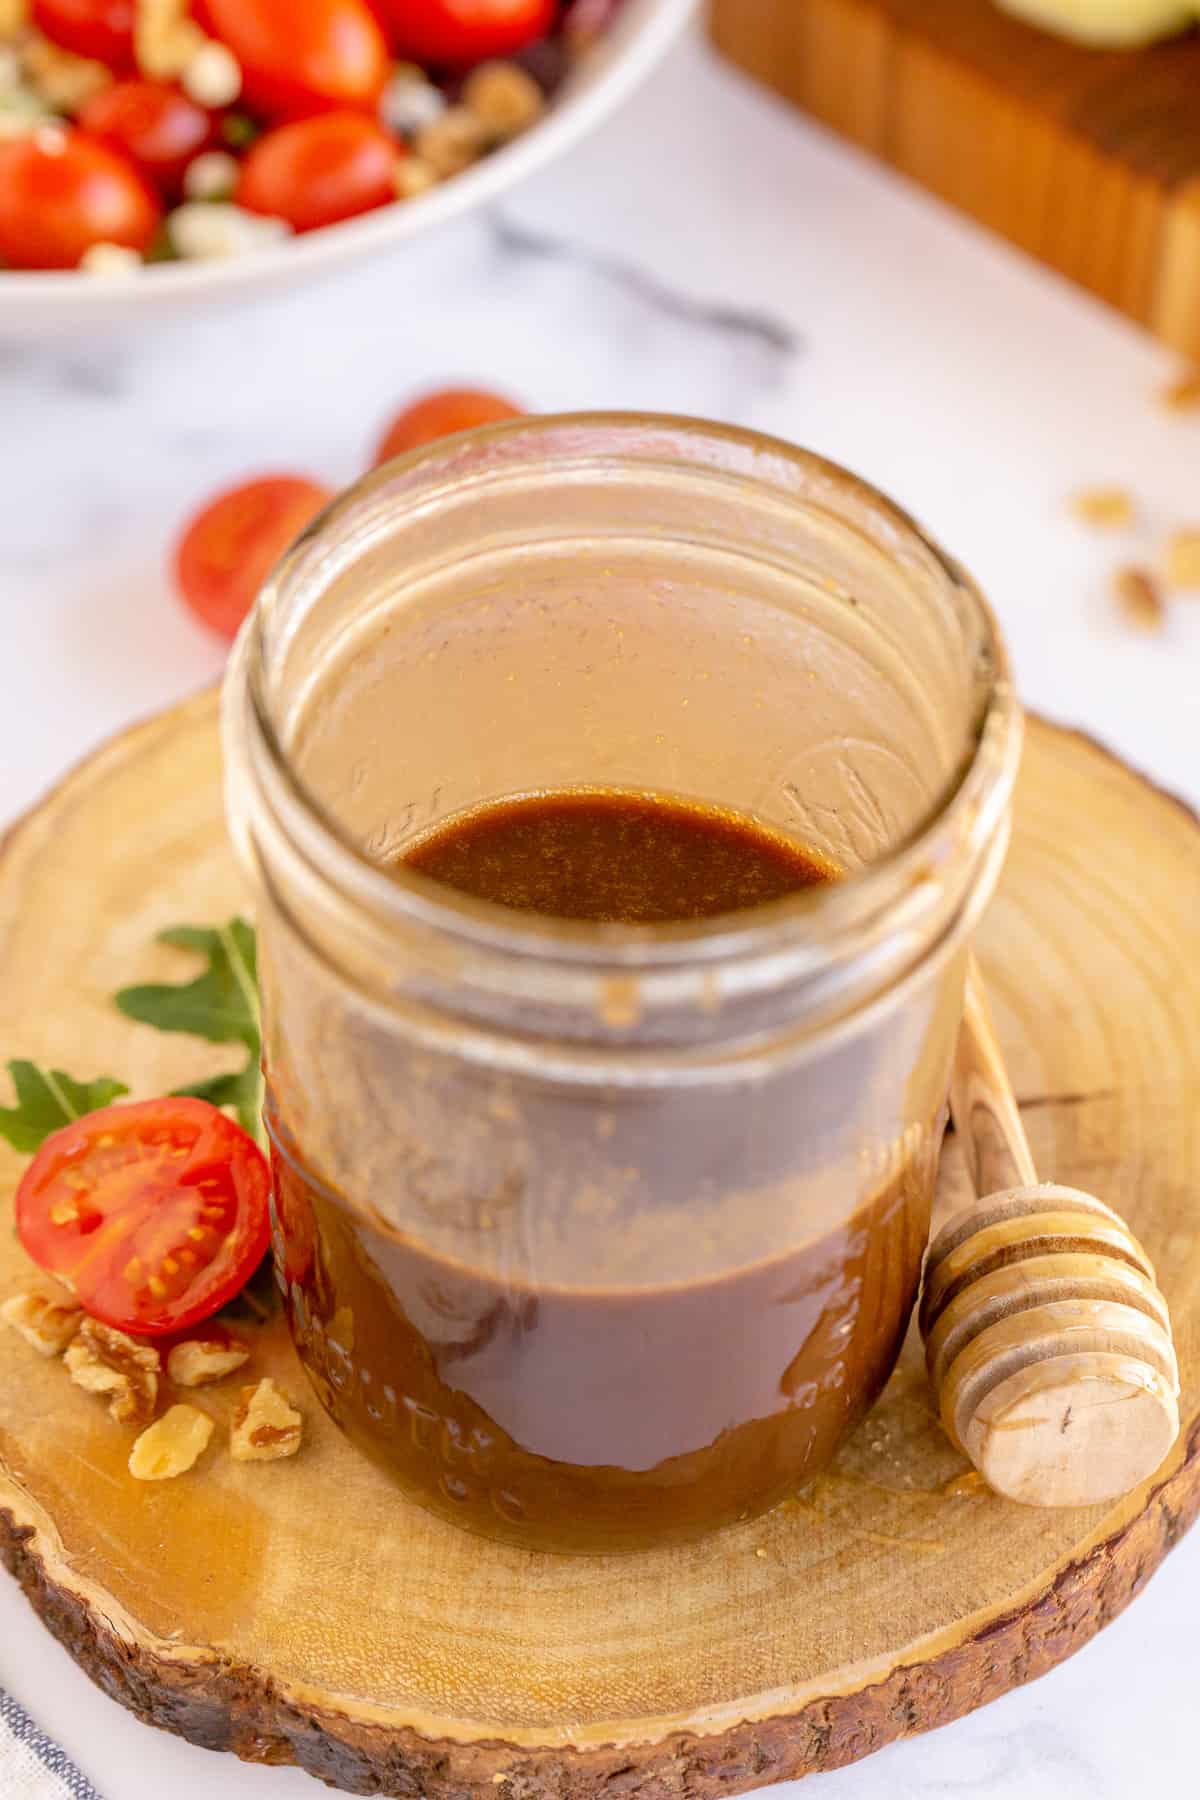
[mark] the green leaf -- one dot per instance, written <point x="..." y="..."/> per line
<point x="47" y="1099"/>
<point x="220" y="1005"/>
<point x="239" y="130"/>
<point x="242" y="1090"/>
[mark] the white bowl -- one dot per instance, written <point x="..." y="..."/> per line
<point x="45" y="304"/>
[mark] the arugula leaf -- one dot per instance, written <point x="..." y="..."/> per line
<point x="220" y="1005"/>
<point x="47" y="1099"/>
<point x="243" y="1090"/>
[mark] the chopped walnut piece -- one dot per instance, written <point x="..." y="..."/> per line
<point x="165" y="39"/>
<point x="1183" y="394"/>
<point x="198" y="1361"/>
<point x="1183" y="558"/>
<point x="413" y="176"/>
<point x="504" y="98"/>
<point x="453" y="142"/>
<point x="171" y="1445"/>
<point x="45" y="1320"/>
<point x="60" y="78"/>
<point x="103" y="1360"/>
<point x="14" y="16"/>
<point x="1110" y="508"/>
<point x="265" y="1426"/>
<point x="1139" y="598"/>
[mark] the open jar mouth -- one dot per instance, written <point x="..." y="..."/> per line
<point x="878" y="918"/>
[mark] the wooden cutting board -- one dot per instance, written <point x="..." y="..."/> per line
<point x="1087" y="159"/>
<point x="304" y="1612"/>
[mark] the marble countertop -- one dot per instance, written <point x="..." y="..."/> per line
<point x="708" y="252"/>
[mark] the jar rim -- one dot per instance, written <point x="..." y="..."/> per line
<point x="812" y="925"/>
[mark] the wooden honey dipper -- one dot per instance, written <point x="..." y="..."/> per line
<point x="1047" y="1341"/>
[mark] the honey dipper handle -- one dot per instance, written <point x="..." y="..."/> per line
<point x="982" y="1103"/>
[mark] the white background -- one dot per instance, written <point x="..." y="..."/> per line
<point x="706" y="252"/>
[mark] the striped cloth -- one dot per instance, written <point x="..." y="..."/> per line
<point x="32" y="1767"/>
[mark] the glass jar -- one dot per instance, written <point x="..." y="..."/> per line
<point x="598" y="1237"/>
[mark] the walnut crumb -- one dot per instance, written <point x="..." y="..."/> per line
<point x="1183" y="558"/>
<point x="198" y="1361"/>
<point x="14" y="17"/>
<point x="63" y="80"/>
<point x="1139" y="598"/>
<point x="165" y="38"/>
<point x="504" y="98"/>
<point x="1183" y="394"/>
<point x="453" y="142"/>
<point x="104" y="1361"/>
<point x="172" y="1445"/>
<point x="1109" y="508"/>
<point x="413" y="176"/>
<point x="46" y="1320"/>
<point x="265" y="1426"/>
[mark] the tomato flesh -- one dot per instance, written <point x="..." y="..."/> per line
<point x="101" y="29"/>
<point x="156" y="1213"/>
<point x="301" y="59"/>
<point x="156" y="125"/>
<point x="231" y="545"/>
<point x="466" y="31"/>
<point x="316" y="171"/>
<point x="439" y="415"/>
<point x="61" y="191"/>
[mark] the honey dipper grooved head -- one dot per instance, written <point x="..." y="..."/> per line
<point x="1074" y="1430"/>
<point x="1049" y="1347"/>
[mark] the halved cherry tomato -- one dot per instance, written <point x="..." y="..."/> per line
<point x="156" y="125"/>
<point x="101" y="29"/>
<point x="233" y="543"/>
<point x="439" y="415"/>
<point x="299" y="58"/>
<point x="156" y="1213"/>
<point x="316" y="171"/>
<point x="466" y="31"/>
<point x="62" y="191"/>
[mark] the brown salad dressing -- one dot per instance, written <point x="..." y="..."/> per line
<point x="608" y="1415"/>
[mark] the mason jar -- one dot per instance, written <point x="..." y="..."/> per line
<point x="598" y="1237"/>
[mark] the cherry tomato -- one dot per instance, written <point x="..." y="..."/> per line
<point x="466" y="31"/>
<point x="62" y="191"/>
<point x="441" y="414"/>
<point x="102" y="29"/>
<point x="156" y="1213"/>
<point x="302" y="58"/>
<point x="316" y="171"/>
<point x="233" y="543"/>
<point x="156" y="125"/>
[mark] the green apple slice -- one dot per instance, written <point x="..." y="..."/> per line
<point x="1113" y="24"/>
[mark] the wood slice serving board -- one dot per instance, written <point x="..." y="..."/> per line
<point x="302" y="1611"/>
<point x="1088" y="159"/>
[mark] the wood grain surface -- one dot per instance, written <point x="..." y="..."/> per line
<point x="1087" y="159"/>
<point x="302" y="1611"/>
